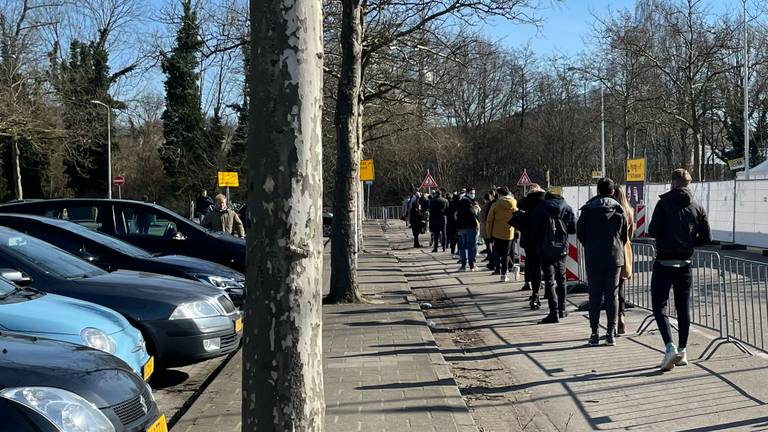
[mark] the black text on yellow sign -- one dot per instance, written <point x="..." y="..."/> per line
<point x="366" y="170"/>
<point x="228" y="179"/>
<point x="636" y="170"/>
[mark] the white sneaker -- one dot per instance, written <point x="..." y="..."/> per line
<point x="504" y="278"/>
<point x="683" y="360"/>
<point x="670" y="360"/>
<point x="462" y="269"/>
<point x="516" y="272"/>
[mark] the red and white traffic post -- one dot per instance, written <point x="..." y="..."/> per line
<point x="119" y="181"/>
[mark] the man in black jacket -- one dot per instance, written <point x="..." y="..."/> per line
<point x="467" y="226"/>
<point x="602" y="230"/>
<point x="529" y="242"/>
<point x="438" y="207"/>
<point x="551" y="224"/>
<point x="679" y="224"/>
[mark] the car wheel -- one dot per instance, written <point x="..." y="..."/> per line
<point x="326" y="230"/>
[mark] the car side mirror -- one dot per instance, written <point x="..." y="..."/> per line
<point x="16" y="276"/>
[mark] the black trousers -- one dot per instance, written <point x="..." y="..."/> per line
<point x="533" y="270"/>
<point x="554" y="282"/>
<point x="680" y="280"/>
<point x="501" y="250"/>
<point x="622" y="302"/>
<point x="603" y="284"/>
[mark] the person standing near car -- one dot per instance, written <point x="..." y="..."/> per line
<point x="679" y="224"/>
<point x="223" y="219"/>
<point x="602" y="230"/>
<point x="203" y="204"/>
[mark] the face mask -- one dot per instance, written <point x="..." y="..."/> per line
<point x="471" y="195"/>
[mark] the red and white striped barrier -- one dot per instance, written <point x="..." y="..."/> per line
<point x="641" y="226"/>
<point x="572" y="271"/>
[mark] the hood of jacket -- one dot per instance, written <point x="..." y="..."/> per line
<point x="604" y="206"/>
<point x="681" y="197"/>
<point x="506" y="202"/>
<point x="553" y="204"/>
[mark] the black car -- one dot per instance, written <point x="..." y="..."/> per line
<point x="182" y="321"/>
<point x="148" y="226"/>
<point x="327" y="219"/>
<point x="112" y="254"/>
<point x="50" y="386"/>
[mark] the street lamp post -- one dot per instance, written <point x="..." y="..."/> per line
<point x="109" y="146"/>
<point x="602" y="128"/>
<point x="746" y="95"/>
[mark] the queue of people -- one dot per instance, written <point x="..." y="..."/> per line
<point x="543" y="222"/>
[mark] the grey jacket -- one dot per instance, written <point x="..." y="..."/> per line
<point x="226" y="221"/>
<point x="602" y="230"/>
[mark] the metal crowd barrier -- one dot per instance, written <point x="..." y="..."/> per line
<point x="728" y="296"/>
<point x="384" y="214"/>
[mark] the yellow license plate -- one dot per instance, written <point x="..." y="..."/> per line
<point x="159" y="425"/>
<point x="239" y="325"/>
<point x="149" y="368"/>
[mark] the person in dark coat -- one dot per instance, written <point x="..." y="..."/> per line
<point x="528" y="206"/>
<point x="551" y="224"/>
<point x="438" y="207"/>
<point x="603" y="231"/>
<point x="679" y="225"/>
<point x="468" y="225"/>
<point x="418" y="221"/>
<point x="203" y="205"/>
<point x="450" y="226"/>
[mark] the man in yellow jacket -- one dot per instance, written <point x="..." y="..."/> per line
<point x="498" y="228"/>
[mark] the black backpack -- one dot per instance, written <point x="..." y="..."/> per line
<point x="554" y="242"/>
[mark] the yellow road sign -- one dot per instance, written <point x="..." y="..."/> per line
<point x="228" y="179"/>
<point x="636" y="170"/>
<point x="735" y="164"/>
<point x="366" y="170"/>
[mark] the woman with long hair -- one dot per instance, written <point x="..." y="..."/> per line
<point x="626" y="271"/>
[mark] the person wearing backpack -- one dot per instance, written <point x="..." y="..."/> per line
<point x="603" y="231"/>
<point x="679" y="224"/>
<point x="552" y="222"/>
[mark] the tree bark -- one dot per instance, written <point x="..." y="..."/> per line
<point x="282" y="347"/>
<point x="16" y="167"/>
<point x="344" y="235"/>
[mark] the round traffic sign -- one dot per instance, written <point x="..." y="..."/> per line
<point x="118" y="180"/>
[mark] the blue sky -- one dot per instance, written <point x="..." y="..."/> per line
<point x="567" y="24"/>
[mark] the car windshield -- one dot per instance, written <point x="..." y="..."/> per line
<point x="46" y="256"/>
<point x="108" y="241"/>
<point x="5" y="287"/>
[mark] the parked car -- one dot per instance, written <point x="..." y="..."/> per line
<point x="327" y="219"/>
<point x="182" y="321"/>
<point x="35" y="313"/>
<point x="146" y="225"/>
<point x="53" y="386"/>
<point x="111" y="253"/>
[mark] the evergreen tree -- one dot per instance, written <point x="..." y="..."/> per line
<point x="85" y="77"/>
<point x="183" y="121"/>
<point x="240" y="138"/>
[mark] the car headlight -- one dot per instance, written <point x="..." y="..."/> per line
<point x="218" y="281"/>
<point x="196" y="309"/>
<point x="68" y="411"/>
<point x="97" y="339"/>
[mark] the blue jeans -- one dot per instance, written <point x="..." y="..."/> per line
<point x="468" y="246"/>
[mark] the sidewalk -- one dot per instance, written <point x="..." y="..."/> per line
<point x="516" y="375"/>
<point x="383" y="371"/>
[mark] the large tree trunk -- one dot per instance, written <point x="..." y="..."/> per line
<point x="361" y="213"/>
<point x="16" y="167"/>
<point x="282" y="348"/>
<point x="344" y="287"/>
